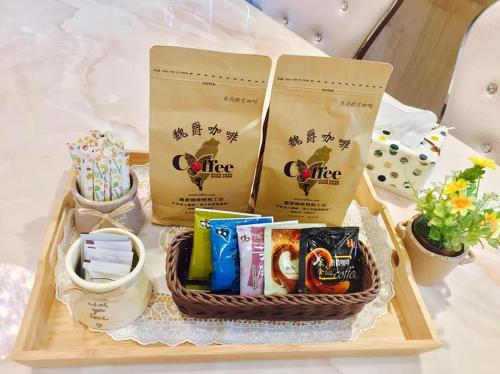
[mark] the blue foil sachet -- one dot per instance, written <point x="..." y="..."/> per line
<point x="225" y="276"/>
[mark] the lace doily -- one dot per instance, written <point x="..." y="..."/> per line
<point x="162" y="322"/>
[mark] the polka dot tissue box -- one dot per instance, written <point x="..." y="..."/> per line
<point x="394" y="166"/>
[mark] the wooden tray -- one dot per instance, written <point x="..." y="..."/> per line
<point x="49" y="338"/>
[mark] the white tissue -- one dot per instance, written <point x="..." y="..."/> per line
<point x="407" y="124"/>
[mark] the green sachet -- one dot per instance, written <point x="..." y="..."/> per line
<point x="200" y="265"/>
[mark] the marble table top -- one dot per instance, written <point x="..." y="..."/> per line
<point x="68" y="66"/>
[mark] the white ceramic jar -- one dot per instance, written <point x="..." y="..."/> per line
<point x="109" y="305"/>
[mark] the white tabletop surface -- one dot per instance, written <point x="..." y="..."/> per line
<point x="70" y="66"/>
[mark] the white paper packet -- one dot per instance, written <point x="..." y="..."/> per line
<point x="117" y="246"/>
<point x="97" y="277"/>
<point x="109" y="268"/>
<point x="109" y="255"/>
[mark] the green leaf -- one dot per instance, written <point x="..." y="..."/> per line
<point x="440" y="210"/>
<point x="436" y="221"/>
<point x="485" y="231"/>
<point x="428" y="197"/>
<point x="494" y="243"/>
<point x="450" y="220"/>
<point x="468" y="221"/>
<point x="434" y="233"/>
<point x="472" y="174"/>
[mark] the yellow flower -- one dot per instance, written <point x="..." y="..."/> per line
<point x="493" y="221"/>
<point x="491" y="217"/>
<point x="461" y="204"/>
<point x="483" y="162"/>
<point x="457" y="186"/>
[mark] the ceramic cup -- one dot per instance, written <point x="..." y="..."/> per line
<point x="428" y="268"/>
<point x="113" y="304"/>
<point x="87" y="212"/>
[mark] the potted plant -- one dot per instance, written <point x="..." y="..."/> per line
<point x="451" y="219"/>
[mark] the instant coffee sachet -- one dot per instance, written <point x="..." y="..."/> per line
<point x="281" y="258"/>
<point x="204" y="130"/>
<point x="330" y="261"/>
<point x="251" y="250"/>
<point x="321" y="118"/>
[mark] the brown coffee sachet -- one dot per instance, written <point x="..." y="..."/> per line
<point x="204" y="130"/>
<point x="321" y="118"/>
<point x="329" y="261"/>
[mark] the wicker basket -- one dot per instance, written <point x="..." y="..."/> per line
<point x="296" y="307"/>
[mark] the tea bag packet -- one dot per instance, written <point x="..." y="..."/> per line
<point x="225" y="257"/>
<point x="200" y="265"/>
<point x="321" y="118"/>
<point x="102" y="272"/>
<point x="124" y="246"/>
<point x="205" y="128"/>
<point x="330" y="261"/>
<point x="105" y="257"/>
<point x="109" y="255"/>
<point x="251" y="251"/>
<point x="281" y="258"/>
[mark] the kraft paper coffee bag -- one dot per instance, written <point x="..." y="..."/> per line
<point x="204" y="130"/>
<point x="321" y="119"/>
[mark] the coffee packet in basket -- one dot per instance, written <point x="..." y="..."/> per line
<point x="281" y="258"/>
<point x="329" y="260"/>
<point x="321" y="118"/>
<point x="200" y="265"/>
<point x="251" y="250"/>
<point x="204" y="130"/>
<point x="225" y="255"/>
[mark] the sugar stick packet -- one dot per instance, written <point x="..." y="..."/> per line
<point x="102" y="166"/>
<point x="125" y="171"/>
<point x="86" y="174"/>
<point x="116" y="177"/>
<point x="98" y="169"/>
